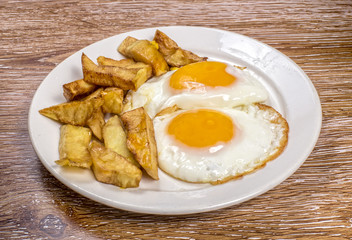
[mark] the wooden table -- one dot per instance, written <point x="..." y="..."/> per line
<point x="314" y="203"/>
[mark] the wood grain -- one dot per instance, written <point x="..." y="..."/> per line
<point x="314" y="203"/>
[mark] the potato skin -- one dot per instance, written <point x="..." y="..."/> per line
<point x="112" y="76"/>
<point x="113" y="98"/>
<point x="124" y="63"/>
<point x="144" y="71"/>
<point x="96" y="123"/>
<point x="73" y="146"/>
<point x="144" y="51"/>
<point x="75" y="112"/>
<point x="128" y="41"/>
<point x="173" y="54"/>
<point x="141" y="140"/>
<point x="76" y="89"/>
<point x="110" y="167"/>
<point x="117" y="63"/>
<point x="115" y="138"/>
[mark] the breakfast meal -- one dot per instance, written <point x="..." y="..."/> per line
<point x="162" y="106"/>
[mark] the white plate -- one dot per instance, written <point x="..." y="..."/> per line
<point x="291" y="91"/>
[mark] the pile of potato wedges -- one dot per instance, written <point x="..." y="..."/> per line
<point x="95" y="132"/>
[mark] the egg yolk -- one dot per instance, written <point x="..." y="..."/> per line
<point x="202" y="74"/>
<point x="201" y="128"/>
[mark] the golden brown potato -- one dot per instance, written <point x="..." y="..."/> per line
<point x="75" y="112"/>
<point x="111" y="76"/>
<point x="168" y="110"/>
<point x="141" y="139"/>
<point x="128" y="41"/>
<point x="128" y="64"/>
<point x="127" y="102"/>
<point x="73" y="146"/>
<point x="144" y="51"/>
<point x="110" y="167"/>
<point x="173" y="54"/>
<point x="115" y="138"/>
<point x="125" y="63"/>
<point x="113" y="98"/>
<point x="95" y="94"/>
<point x="77" y="88"/>
<point x="96" y="123"/>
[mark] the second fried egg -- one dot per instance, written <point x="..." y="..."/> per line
<point x="214" y="145"/>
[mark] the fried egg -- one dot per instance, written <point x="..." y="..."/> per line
<point x="202" y="84"/>
<point x="214" y="145"/>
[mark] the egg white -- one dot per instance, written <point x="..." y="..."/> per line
<point x="156" y="94"/>
<point x="257" y="139"/>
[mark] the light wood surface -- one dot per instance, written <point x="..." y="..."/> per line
<point x="314" y="203"/>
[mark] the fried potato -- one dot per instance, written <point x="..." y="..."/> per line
<point x="128" y="41"/>
<point x="125" y="63"/>
<point x="96" y="123"/>
<point x="95" y="94"/>
<point x="77" y="88"/>
<point x="128" y="64"/>
<point x="168" y="110"/>
<point x="127" y="102"/>
<point x="111" y="76"/>
<point x="75" y="112"/>
<point x="146" y="52"/>
<point x="115" y="138"/>
<point x="141" y="139"/>
<point x="173" y="54"/>
<point x="113" y="98"/>
<point x="110" y="167"/>
<point x="73" y="146"/>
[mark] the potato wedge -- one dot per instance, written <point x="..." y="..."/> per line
<point x="77" y="88"/>
<point x="110" y="167"/>
<point x="113" y="98"/>
<point x="95" y="94"/>
<point x="125" y="63"/>
<point x="168" y="110"/>
<point x="111" y="76"/>
<point x="115" y="138"/>
<point x="128" y="64"/>
<point x="173" y="54"/>
<point x="73" y="146"/>
<point x="144" y="51"/>
<point x="128" y="41"/>
<point x="141" y="139"/>
<point x="75" y="112"/>
<point x="96" y="123"/>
